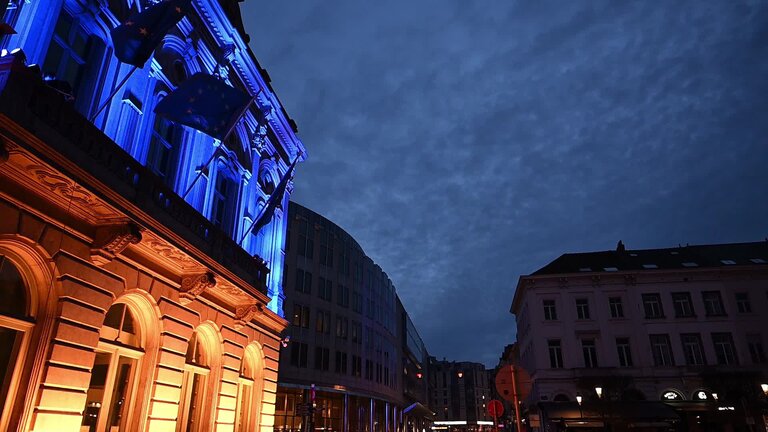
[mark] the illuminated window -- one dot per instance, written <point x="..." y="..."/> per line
<point x="193" y="388"/>
<point x="112" y="389"/>
<point x="14" y="327"/>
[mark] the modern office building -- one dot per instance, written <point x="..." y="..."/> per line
<point x="348" y="336"/>
<point x="460" y="394"/>
<point x="133" y="296"/>
<point x="624" y="330"/>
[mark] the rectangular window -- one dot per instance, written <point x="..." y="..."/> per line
<point x="357" y="333"/>
<point x="550" y="312"/>
<point x="325" y="288"/>
<point x="357" y="302"/>
<point x="622" y="349"/>
<point x="357" y="366"/>
<point x="68" y="52"/>
<point x="662" y="350"/>
<point x="555" y="354"/>
<point x="616" y="306"/>
<point x="340" y="366"/>
<point x="652" y="306"/>
<point x="582" y="308"/>
<point x="224" y="202"/>
<point x="342" y="295"/>
<point x="326" y="247"/>
<point x="300" y="315"/>
<point x="322" y="358"/>
<point x="323" y="322"/>
<point x="299" y="354"/>
<point x="342" y="326"/>
<point x="713" y="303"/>
<point x="683" y="305"/>
<point x="756" y="351"/>
<point x="306" y="243"/>
<point x="693" y="349"/>
<point x="743" y="304"/>
<point x="590" y="353"/>
<point x="369" y="370"/>
<point x="725" y="351"/>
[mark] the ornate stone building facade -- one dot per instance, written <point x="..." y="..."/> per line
<point x="132" y="295"/>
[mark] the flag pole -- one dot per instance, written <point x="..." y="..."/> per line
<point x="256" y="219"/>
<point x="114" y="92"/>
<point x="200" y="174"/>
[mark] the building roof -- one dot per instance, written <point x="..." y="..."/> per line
<point x="681" y="257"/>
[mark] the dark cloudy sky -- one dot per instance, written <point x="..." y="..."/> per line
<point x="464" y="143"/>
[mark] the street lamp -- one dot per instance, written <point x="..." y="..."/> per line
<point x="714" y="396"/>
<point x="460" y="374"/>
<point x="599" y="391"/>
<point x="764" y="387"/>
<point x="579" y="399"/>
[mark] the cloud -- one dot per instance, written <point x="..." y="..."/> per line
<point x="466" y="143"/>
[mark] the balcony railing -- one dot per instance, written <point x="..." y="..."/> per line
<point x="26" y="99"/>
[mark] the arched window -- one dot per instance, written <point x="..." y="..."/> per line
<point x="249" y="391"/>
<point x="197" y="368"/>
<point x="15" y="324"/>
<point x="112" y="390"/>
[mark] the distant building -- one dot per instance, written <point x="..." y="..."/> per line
<point x="460" y="394"/>
<point x="133" y="296"/>
<point x="685" y="326"/>
<point x="349" y="336"/>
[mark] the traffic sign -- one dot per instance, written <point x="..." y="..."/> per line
<point x="505" y="380"/>
<point x="495" y="408"/>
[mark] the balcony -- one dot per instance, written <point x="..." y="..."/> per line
<point x="71" y="140"/>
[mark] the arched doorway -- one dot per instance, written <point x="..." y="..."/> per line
<point x="250" y="389"/>
<point x="112" y="391"/>
<point x="198" y="389"/>
<point x="16" y="323"/>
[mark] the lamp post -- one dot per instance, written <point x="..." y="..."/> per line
<point x="599" y="391"/>
<point x="579" y="399"/>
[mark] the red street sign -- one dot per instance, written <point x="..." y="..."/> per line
<point x="495" y="408"/>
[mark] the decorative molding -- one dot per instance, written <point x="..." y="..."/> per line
<point x="5" y="150"/>
<point x="244" y="314"/>
<point x="630" y="279"/>
<point x="194" y="285"/>
<point x="62" y="185"/>
<point x="562" y="281"/>
<point x="166" y="250"/>
<point x="110" y="240"/>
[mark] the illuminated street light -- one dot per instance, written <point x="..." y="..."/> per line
<point x="714" y="396"/>
<point x="579" y="398"/>
<point x="460" y="374"/>
<point x="599" y="391"/>
<point x="765" y="388"/>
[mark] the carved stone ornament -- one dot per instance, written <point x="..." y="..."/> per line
<point x="259" y="140"/>
<point x="194" y="285"/>
<point x="244" y="314"/>
<point x="111" y="240"/>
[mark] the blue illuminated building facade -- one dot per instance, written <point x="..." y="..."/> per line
<point x="134" y="295"/>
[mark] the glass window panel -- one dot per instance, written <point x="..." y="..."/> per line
<point x="13" y="293"/>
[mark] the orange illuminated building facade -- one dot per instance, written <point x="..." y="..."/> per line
<point x="133" y="294"/>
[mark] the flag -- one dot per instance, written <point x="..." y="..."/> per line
<point x="205" y="103"/>
<point x="139" y="35"/>
<point x="274" y="200"/>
